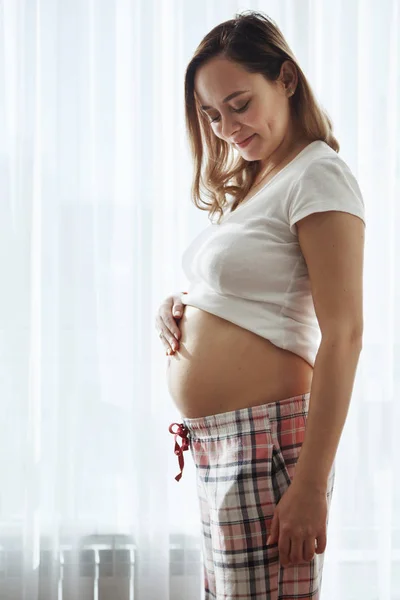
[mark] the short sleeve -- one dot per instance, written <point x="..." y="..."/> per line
<point x="325" y="184"/>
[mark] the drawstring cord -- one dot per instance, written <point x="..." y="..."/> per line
<point x="183" y="432"/>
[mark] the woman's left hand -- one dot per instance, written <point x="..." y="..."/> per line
<point x="299" y="519"/>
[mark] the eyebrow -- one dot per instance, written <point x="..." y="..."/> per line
<point x="233" y="95"/>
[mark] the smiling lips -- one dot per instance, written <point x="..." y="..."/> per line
<point x="246" y="141"/>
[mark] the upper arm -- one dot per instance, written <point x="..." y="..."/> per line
<point x="332" y="244"/>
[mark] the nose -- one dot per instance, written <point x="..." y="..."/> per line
<point x="229" y="128"/>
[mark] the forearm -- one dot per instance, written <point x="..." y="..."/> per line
<point x="332" y="386"/>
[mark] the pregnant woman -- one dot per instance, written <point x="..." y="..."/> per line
<point x="262" y="359"/>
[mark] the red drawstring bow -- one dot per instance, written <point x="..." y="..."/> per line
<point x="183" y="432"/>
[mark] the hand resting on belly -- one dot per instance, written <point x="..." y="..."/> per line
<point x="220" y="366"/>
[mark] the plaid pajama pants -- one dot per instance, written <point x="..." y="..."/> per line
<point x="245" y="460"/>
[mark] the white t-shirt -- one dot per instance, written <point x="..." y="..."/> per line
<point x="250" y="270"/>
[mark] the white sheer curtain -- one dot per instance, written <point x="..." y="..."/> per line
<point x="95" y="178"/>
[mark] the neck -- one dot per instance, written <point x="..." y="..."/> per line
<point x="286" y="149"/>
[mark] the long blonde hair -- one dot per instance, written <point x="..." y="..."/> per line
<point x="254" y="41"/>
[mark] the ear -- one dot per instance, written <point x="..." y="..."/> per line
<point x="288" y="76"/>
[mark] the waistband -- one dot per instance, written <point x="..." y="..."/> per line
<point x="245" y="419"/>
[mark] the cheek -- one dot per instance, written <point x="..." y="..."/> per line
<point x="252" y="117"/>
<point x="275" y="122"/>
<point x="279" y="116"/>
<point x="262" y="120"/>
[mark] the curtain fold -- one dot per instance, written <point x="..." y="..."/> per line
<point x="95" y="178"/>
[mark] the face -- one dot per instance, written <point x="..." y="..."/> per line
<point x="261" y="111"/>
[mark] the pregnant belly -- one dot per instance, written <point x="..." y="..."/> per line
<point x="221" y="367"/>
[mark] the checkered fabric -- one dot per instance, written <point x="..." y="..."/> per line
<point x="245" y="460"/>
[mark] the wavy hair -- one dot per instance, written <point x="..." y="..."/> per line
<point x="254" y="41"/>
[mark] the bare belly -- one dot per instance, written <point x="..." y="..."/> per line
<point x="221" y="367"/>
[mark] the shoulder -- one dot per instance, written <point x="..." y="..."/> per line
<point x="326" y="172"/>
<point x="324" y="183"/>
<point x="323" y="161"/>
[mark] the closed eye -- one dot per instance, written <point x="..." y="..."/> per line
<point x="238" y="110"/>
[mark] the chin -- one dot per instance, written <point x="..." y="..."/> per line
<point x="251" y="154"/>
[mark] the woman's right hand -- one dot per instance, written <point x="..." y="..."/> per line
<point x="170" y="311"/>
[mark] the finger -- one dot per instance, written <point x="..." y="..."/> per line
<point x="284" y="548"/>
<point x="177" y="308"/>
<point x="321" y="543"/>
<point x="169" y="321"/>
<point x="167" y="347"/>
<point x="167" y="339"/>
<point x="309" y="549"/>
<point x="296" y="551"/>
<point x="274" y="530"/>
<point x="166" y="344"/>
<point x="171" y="336"/>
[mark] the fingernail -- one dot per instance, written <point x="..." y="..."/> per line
<point x="176" y="335"/>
